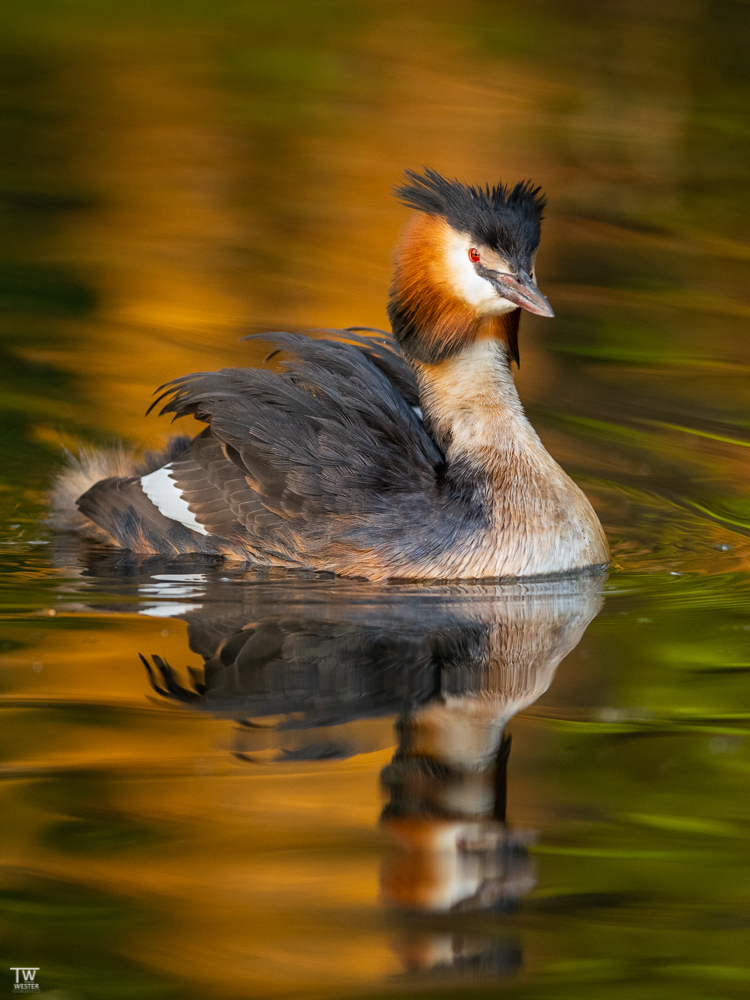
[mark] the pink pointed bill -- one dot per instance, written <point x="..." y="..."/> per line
<point x="521" y="291"/>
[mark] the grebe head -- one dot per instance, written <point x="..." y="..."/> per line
<point x="465" y="265"/>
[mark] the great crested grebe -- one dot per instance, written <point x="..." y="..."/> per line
<point x="371" y="455"/>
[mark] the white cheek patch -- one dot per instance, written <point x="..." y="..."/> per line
<point x="164" y="494"/>
<point x="468" y="285"/>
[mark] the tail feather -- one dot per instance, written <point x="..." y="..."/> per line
<point x="94" y="464"/>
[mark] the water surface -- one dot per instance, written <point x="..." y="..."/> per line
<point x="326" y="788"/>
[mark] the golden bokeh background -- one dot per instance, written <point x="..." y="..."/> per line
<point x="177" y="175"/>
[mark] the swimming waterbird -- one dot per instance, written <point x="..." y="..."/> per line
<point x="367" y="454"/>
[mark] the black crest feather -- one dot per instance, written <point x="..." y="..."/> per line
<point x="506" y="219"/>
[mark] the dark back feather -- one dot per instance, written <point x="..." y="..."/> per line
<point x="327" y="449"/>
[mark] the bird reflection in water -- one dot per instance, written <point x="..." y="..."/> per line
<point x="447" y="781"/>
<point x="453" y="664"/>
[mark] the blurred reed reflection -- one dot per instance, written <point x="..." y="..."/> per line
<point x="454" y="664"/>
<point x="177" y="175"/>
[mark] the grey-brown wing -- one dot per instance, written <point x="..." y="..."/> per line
<point x="309" y="451"/>
<point x="381" y="349"/>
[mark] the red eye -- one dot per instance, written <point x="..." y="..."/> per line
<point x="474" y="255"/>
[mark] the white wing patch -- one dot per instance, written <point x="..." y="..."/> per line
<point x="418" y="411"/>
<point x="164" y="493"/>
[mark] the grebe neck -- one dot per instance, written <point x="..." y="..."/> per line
<point x="471" y="407"/>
